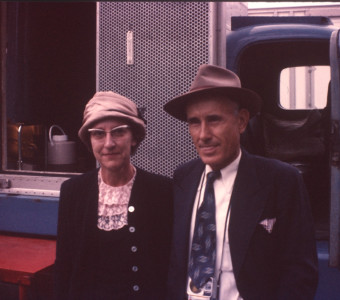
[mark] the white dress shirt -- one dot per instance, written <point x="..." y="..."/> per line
<point x="223" y="187"/>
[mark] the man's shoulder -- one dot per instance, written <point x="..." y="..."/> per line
<point x="272" y="162"/>
<point x="188" y="169"/>
<point x="271" y="167"/>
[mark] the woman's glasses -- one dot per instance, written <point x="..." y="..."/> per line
<point x="115" y="133"/>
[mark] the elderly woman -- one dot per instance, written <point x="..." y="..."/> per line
<point x="114" y="222"/>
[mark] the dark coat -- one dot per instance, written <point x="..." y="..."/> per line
<point x="125" y="264"/>
<point x="277" y="265"/>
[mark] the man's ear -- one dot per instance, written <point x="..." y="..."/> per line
<point x="133" y="142"/>
<point x="243" y="115"/>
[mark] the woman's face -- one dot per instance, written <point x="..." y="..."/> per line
<point x="112" y="148"/>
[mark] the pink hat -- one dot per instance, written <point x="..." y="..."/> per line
<point x="108" y="104"/>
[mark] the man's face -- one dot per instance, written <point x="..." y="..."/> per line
<point x="215" y="126"/>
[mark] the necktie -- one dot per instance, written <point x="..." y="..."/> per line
<point x="203" y="249"/>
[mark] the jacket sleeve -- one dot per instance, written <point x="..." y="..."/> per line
<point x="298" y="270"/>
<point x="64" y="251"/>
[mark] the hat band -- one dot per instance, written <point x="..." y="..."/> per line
<point x="139" y="116"/>
<point x="210" y="87"/>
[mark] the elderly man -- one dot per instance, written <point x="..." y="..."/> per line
<point x="243" y="227"/>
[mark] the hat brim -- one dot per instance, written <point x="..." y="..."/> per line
<point x="246" y="98"/>
<point x="139" y="130"/>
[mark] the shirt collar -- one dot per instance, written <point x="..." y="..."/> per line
<point x="229" y="169"/>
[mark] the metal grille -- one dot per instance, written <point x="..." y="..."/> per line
<point x="170" y="42"/>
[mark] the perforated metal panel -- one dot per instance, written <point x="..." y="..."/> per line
<point x="170" y="42"/>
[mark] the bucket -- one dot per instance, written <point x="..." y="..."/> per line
<point x="61" y="153"/>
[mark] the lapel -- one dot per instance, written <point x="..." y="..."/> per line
<point x="247" y="204"/>
<point x="137" y="189"/>
<point x="140" y="197"/>
<point x="185" y="189"/>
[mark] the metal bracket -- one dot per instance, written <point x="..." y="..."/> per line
<point x="335" y="144"/>
<point x="5" y="183"/>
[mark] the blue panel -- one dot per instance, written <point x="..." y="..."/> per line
<point x="329" y="278"/>
<point x="29" y="214"/>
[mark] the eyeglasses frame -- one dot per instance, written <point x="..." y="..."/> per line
<point x="106" y="132"/>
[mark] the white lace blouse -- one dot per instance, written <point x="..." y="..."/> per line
<point x="113" y="204"/>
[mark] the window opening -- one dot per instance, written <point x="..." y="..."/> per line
<point x="304" y="87"/>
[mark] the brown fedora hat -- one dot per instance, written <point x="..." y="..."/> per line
<point x="214" y="80"/>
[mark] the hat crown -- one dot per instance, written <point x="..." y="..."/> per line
<point x="210" y="76"/>
<point x="109" y="101"/>
<point x="219" y="82"/>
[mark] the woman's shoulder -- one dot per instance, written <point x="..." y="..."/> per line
<point x="153" y="178"/>
<point x="151" y="181"/>
<point x="154" y="189"/>
<point x="81" y="179"/>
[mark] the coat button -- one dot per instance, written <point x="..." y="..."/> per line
<point x="134" y="268"/>
<point x="134" y="249"/>
<point x="132" y="229"/>
<point x="136" y="288"/>
<point x="131" y="209"/>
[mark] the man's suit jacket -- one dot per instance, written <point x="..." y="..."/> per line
<point x="92" y="264"/>
<point x="277" y="265"/>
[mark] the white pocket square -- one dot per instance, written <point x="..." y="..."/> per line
<point x="268" y="224"/>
